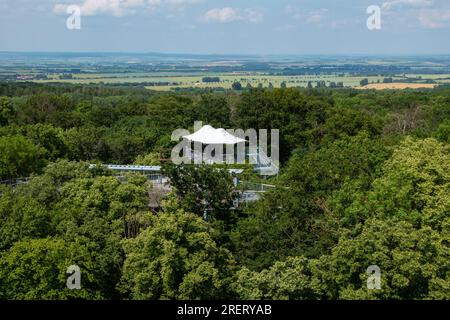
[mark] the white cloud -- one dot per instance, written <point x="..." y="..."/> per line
<point x="308" y="17"/>
<point x="431" y="14"/>
<point x="434" y="19"/>
<point x="294" y="12"/>
<point x="228" y="14"/>
<point x="391" y="4"/>
<point x="59" y="8"/>
<point x="223" y="15"/>
<point x="254" y="15"/>
<point x="317" y="16"/>
<point x="180" y="5"/>
<point x="120" y="8"/>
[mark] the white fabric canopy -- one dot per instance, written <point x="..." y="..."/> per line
<point x="209" y="135"/>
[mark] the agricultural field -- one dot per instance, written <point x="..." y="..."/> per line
<point x="166" y="81"/>
<point x="167" y="73"/>
<point x="397" y="86"/>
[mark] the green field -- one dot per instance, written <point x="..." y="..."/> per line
<point x="195" y="80"/>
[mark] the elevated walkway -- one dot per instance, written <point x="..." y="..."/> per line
<point x="249" y="191"/>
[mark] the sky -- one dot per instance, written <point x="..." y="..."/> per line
<point x="227" y="27"/>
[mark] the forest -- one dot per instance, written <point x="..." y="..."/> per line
<point x="364" y="180"/>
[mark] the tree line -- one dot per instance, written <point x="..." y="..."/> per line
<point x="365" y="180"/>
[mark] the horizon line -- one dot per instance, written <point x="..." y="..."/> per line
<point x="220" y="54"/>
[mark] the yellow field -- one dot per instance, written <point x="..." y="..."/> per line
<point x="384" y="86"/>
<point x="194" y="80"/>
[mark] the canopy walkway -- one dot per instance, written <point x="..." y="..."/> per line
<point x="249" y="191"/>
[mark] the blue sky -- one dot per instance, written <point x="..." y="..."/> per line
<point x="224" y="27"/>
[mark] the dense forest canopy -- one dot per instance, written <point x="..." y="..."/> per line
<point x="365" y="180"/>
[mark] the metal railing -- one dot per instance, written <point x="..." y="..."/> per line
<point x="255" y="187"/>
<point x="249" y="191"/>
<point x="132" y="168"/>
<point x="15" y="182"/>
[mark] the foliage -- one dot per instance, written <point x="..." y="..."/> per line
<point x="443" y="132"/>
<point x="297" y="116"/>
<point x="7" y="111"/>
<point x="414" y="186"/>
<point x="300" y="221"/>
<point x="36" y="270"/>
<point x="19" y="157"/>
<point x="151" y="159"/>
<point x="287" y="280"/>
<point x="176" y="257"/>
<point x="236" y="86"/>
<point x="413" y="263"/>
<point x="364" y="181"/>
<point x="204" y="190"/>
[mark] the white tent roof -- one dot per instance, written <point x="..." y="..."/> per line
<point x="209" y="135"/>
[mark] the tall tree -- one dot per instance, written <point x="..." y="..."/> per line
<point x="7" y="111"/>
<point x="413" y="264"/>
<point x="205" y="190"/>
<point x="37" y="270"/>
<point x="19" y="157"/>
<point x="176" y="257"/>
<point x="236" y="86"/>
